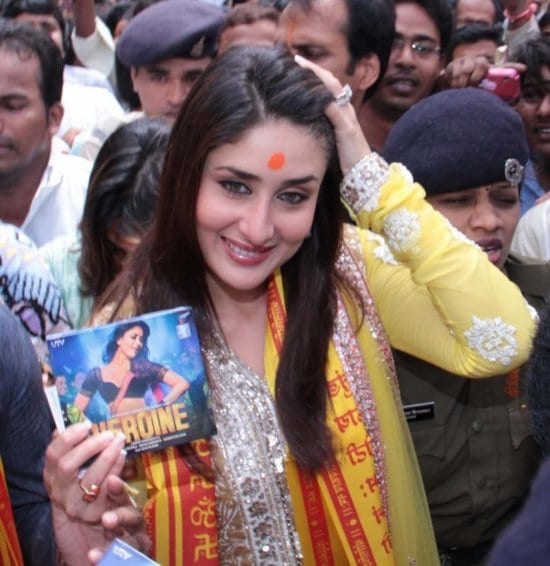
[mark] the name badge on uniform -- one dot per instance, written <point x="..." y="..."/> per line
<point x="419" y="411"/>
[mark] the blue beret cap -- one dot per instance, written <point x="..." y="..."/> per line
<point x="171" y="28"/>
<point x="459" y="139"/>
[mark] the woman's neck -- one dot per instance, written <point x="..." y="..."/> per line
<point x="242" y="321"/>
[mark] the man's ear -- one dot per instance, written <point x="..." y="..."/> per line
<point x="367" y="70"/>
<point x="55" y="115"/>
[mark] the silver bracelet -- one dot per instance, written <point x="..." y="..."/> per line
<point x="360" y="187"/>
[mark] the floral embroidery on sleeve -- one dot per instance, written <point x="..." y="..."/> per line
<point x="402" y="230"/>
<point x="381" y="251"/>
<point x="360" y="187"/>
<point x="493" y="339"/>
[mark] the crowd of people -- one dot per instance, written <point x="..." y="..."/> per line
<point x="354" y="204"/>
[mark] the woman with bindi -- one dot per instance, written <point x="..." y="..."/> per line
<point x="296" y="310"/>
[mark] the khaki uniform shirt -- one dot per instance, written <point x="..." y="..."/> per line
<point x="472" y="437"/>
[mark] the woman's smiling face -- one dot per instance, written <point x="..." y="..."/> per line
<point x="256" y="204"/>
<point x="131" y="342"/>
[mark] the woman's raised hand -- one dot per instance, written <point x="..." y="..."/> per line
<point x="351" y="143"/>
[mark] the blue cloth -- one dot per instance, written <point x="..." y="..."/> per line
<point x="172" y="28"/>
<point x="530" y="188"/>
<point x="25" y="432"/>
<point x="526" y="540"/>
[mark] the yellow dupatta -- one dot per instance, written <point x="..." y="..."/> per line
<point x="339" y="511"/>
<point x="398" y="488"/>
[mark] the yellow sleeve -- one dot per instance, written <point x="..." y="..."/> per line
<point x="438" y="295"/>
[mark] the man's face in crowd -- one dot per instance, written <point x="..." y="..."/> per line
<point x="415" y="62"/>
<point x="475" y="11"/>
<point x="482" y="48"/>
<point x="534" y="109"/>
<point x="48" y="24"/>
<point x="320" y="35"/>
<point x="162" y="87"/>
<point x="26" y="126"/>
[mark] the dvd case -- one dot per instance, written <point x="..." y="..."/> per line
<point x="142" y="376"/>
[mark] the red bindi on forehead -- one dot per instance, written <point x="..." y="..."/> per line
<point x="276" y="161"/>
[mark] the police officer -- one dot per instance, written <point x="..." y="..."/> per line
<point x="472" y="436"/>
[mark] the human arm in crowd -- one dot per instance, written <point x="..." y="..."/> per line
<point x="443" y="301"/>
<point x="25" y="430"/>
<point x="438" y="296"/>
<point x="520" y="24"/>
<point x="92" y="41"/>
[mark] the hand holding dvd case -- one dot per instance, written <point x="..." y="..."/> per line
<point x="142" y="376"/>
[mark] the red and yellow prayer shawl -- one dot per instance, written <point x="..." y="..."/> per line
<point x="340" y="515"/>
<point x="181" y="515"/>
<point x="339" y="511"/>
<point x="10" y="551"/>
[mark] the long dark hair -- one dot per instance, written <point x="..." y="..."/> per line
<point x="241" y="89"/>
<point x="119" y="331"/>
<point x="121" y="198"/>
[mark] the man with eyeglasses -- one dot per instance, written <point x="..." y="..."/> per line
<point x="422" y="32"/>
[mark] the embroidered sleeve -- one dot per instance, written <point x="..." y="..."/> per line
<point x="361" y="186"/>
<point x="493" y="339"/>
<point x="441" y="299"/>
<point x="380" y="249"/>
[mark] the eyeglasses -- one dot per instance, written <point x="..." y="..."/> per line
<point x="422" y="48"/>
